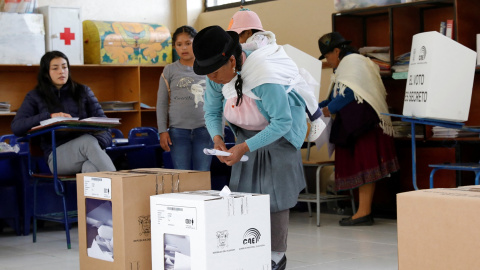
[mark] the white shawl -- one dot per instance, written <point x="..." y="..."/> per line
<point x="362" y="75"/>
<point x="269" y="64"/>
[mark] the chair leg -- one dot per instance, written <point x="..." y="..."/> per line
<point x="309" y="205"/>
<point x="35" y="184"/>
<point x="317" y="182"/>
<point x="66" y="222"/>
<point x="352" y="199"/>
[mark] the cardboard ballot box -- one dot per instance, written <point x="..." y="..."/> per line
<point x="114" y="215"/>
<point x="440" y="78"/>
<point x="126" y="43"/>
<point x="437" y="229"/>
<point x="22" y="38"/>
<point x="203" y="230"/>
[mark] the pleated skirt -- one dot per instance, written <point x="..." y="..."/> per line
<point x="371" y="158"/>
<point x="275" y="169"/>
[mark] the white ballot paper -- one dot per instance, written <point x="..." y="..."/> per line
<point x="325" y="136"/>
<point x="215" y="152"/>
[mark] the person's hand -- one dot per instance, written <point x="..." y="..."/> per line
<point x="165" y="141"/>
<point x="60" y="114"/>
<point x="237" y="152"/>
<point x="219" y="144"/>
<point x="326" y="112"/>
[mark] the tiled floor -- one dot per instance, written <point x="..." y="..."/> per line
<point x="309" y="247"/>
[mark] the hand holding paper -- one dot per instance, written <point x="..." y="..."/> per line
<point x="215" y="152"/>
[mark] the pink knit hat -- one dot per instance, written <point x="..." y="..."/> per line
<point x="245" y="19"/>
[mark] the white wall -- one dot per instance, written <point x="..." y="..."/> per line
<point x="145" y="11"/>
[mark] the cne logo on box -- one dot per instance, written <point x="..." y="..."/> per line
<point x="423" y="54"/>
<point x="251" y="236"/>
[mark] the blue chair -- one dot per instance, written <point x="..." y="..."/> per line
<point x="150" y="156"/>
<point x="116" y="133"/>
<point x="118" y="150"/>
<point x="11" y="183"/>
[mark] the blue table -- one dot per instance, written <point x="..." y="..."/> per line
<point x="447" y="124"/>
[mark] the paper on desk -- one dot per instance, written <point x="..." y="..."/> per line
<point x="215" y="152"/>
<point x="56" y="119"/>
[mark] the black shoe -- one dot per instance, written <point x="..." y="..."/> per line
<point x="362" y="221"/>
<point x="282" y="264"/>
<point x="350" y="217"/>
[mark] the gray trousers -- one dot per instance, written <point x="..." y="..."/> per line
<point x="279" y="230"/>
<point x="82" y="154"/>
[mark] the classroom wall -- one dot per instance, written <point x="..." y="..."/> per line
<point x="146" y="11"/>
<point x="299" y="23"/>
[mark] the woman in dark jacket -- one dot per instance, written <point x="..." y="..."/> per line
<point x="57" y="95"/>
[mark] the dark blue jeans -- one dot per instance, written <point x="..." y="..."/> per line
<point x="187" y="148"/>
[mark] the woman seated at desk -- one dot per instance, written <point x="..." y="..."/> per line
<point x="57" y="95"/>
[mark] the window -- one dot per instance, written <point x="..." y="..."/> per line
<point x="221" y="4"/>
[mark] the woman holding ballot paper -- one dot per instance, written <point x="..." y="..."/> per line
<point x="268" y="121"/>
<point x="57" y="95"/>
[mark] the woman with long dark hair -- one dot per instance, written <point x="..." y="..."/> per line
<point x="58" y="95"/>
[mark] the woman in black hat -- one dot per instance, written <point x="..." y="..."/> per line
<point x="362" y="134"/>
<point x="268" y="119"/>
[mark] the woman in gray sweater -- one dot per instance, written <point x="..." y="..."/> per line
<point x="180" y="115"/>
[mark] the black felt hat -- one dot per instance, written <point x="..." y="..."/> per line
<point x="330" y="41"/>
<point x="212" y="47"/>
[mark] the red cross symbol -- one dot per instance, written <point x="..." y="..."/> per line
<point x="67" y="36"/>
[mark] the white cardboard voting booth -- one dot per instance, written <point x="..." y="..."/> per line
<point x="63" y="31"/>
<point x="440" y="78"/>
<point x="201" y="230"/>
<point x="307" y="62"/>
<point x="22" y="38"/>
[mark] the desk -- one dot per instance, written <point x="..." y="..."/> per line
<point x="66" y="217"/>
<point x="426" y="121"/>
<point x="69" y="125"/>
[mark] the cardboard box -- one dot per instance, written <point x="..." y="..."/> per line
<point x="126" y="43"/>
<point x="202" y="230"/>
<point x="440" y="78"/>
<point x="437" y="229"/>
<point x="173" y="181"/>
<point x="116" y="205"/>
<point x="22" y="38"/>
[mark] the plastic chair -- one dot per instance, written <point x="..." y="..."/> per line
<point x="11" y="183"/>
<point x="118" y="151"/>
<point x="318" y="197"/>
<point x="149" y="156"/>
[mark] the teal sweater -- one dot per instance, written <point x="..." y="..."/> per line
<point x="285" y="113"/>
